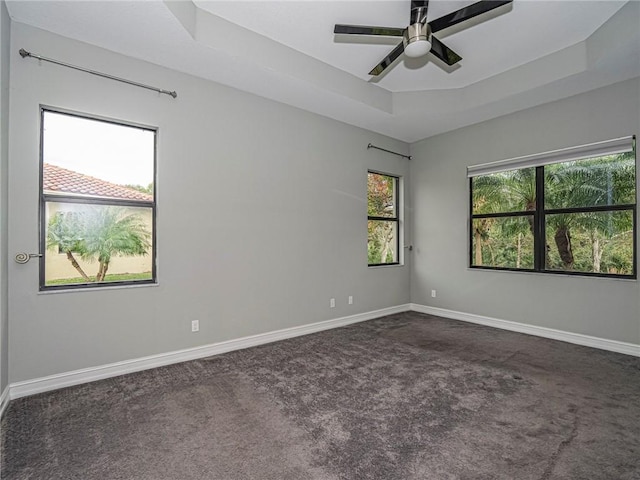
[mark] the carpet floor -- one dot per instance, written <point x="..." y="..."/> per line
<point x="406" y="397"/>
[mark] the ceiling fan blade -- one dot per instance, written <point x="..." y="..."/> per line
<point x="444" y="53"/>
<point x="465" y="14"/>
<point x="388" y="60"/>
<point x="418" y="11"/>
<point x="365" y="30"/>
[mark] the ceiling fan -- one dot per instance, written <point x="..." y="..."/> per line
<point x="417" y="39"/>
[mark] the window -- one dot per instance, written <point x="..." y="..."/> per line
<point x="383" y="220"/>
<point x="97" y="202"/>
<point x="576" y="216"/>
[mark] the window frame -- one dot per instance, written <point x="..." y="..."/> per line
<point x="539" y="218"/>
<point x="395" y="219"/>
<point x="74" y="199"/>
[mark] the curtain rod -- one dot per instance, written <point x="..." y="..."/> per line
<point x="408" y="157"/>
<point x="24" y="54"/>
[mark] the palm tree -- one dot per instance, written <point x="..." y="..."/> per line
<point x="65" y="235"/>
<point x="487" y="197"/>
<point x="502" y="192"/>
<point x="598" y="182"/>
<point x="98" y="234"/>
<point x="602" y="181"/>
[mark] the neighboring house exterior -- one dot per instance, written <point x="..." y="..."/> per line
<point x="60" y="181"/>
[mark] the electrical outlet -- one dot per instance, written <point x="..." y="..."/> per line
<point x="332" y="303"/>
<point x="433" y="293"/>
<point x="195" y="325"/>
<point x="350" y="299"/>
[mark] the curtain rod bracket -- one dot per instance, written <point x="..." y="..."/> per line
<point x="408" y="157"/>
<point x="25" y="54"/>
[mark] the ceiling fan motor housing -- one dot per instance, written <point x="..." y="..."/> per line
<point x="417" y="39"/>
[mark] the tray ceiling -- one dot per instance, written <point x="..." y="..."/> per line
<point x="520" y="55"/>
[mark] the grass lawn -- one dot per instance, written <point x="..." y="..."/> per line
<point x="116" y="277"/>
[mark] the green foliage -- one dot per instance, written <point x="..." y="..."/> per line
<point x="115" y="277"/>
<point x="108" y="231"/>
<point x="148" y="189"/>
<point x="381" y="202"/>
<point x="586" y="241"/>
<point x="510" y="191"/>
<point x="506" y="243"/>
<point x="64" y="232"/>
<point x="381" y="245"/>
<point x="98" y="234"/>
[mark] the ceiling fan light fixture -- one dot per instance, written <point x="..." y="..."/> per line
<point x="417" y="40"/>
<point x="417" y="48"/>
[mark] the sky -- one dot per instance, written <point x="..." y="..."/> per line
<point x="115" y="153"/>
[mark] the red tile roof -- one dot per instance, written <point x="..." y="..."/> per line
<point x="60" y="180"/>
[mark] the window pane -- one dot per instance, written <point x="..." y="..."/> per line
<point x="381" y="195"/>
<point x="505" y="242"/>
<point x="511" y="191"/>
<point x="382" y="244"/>
<point x="97" y="243"/>
<point x="104" y="233"/>
<point x="609" y="180"/>
<point x="599" y="242"/>
<point x="91" y="158"/>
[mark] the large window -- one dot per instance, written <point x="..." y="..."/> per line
<point x="576" y="216"/>
<point x="383" y="221"/>
<point x="97" y="202"/>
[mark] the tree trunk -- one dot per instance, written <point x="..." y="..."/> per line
<point x="102" y="271"/>
<point x="596" y="251"/>
<point x="99" y="271"/>
<point x="519" y="257"/>
<point x="385" y="252"/>
<point x="530" y="207"/>
<point x="76" y="265"/>
<point x="388" y="238"/>
<point x="563" y="242"/>
<point x="478" y="238"/>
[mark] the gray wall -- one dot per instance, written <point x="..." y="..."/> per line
<point x="257" y="202"/>
<point x="261" y="215"/>
<point x="4" y="155"/>
<point x="606" y="308"/>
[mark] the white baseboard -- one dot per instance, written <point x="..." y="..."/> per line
<point x="85" y="375"/>
<point x="4" y="400"/>
<point x="577" y="338"/>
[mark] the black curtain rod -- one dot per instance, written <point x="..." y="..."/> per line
<point x="24" y="54"/>
<point x="408" y="157"/>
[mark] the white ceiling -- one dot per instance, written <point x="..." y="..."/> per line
<point x="515" y="34"/>
<point x="515" y="57"/>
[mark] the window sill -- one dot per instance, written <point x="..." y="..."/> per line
<point x="388" y="265"/>
<point x="97" y="289"/>
<point x="549" y="274"/>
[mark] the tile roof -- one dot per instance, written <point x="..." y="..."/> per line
<point x="60" y="180"/>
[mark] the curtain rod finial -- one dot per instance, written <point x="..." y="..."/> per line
<point x="23" y="53"/>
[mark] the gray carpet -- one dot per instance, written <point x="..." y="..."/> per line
<point x="407" y="396"/>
